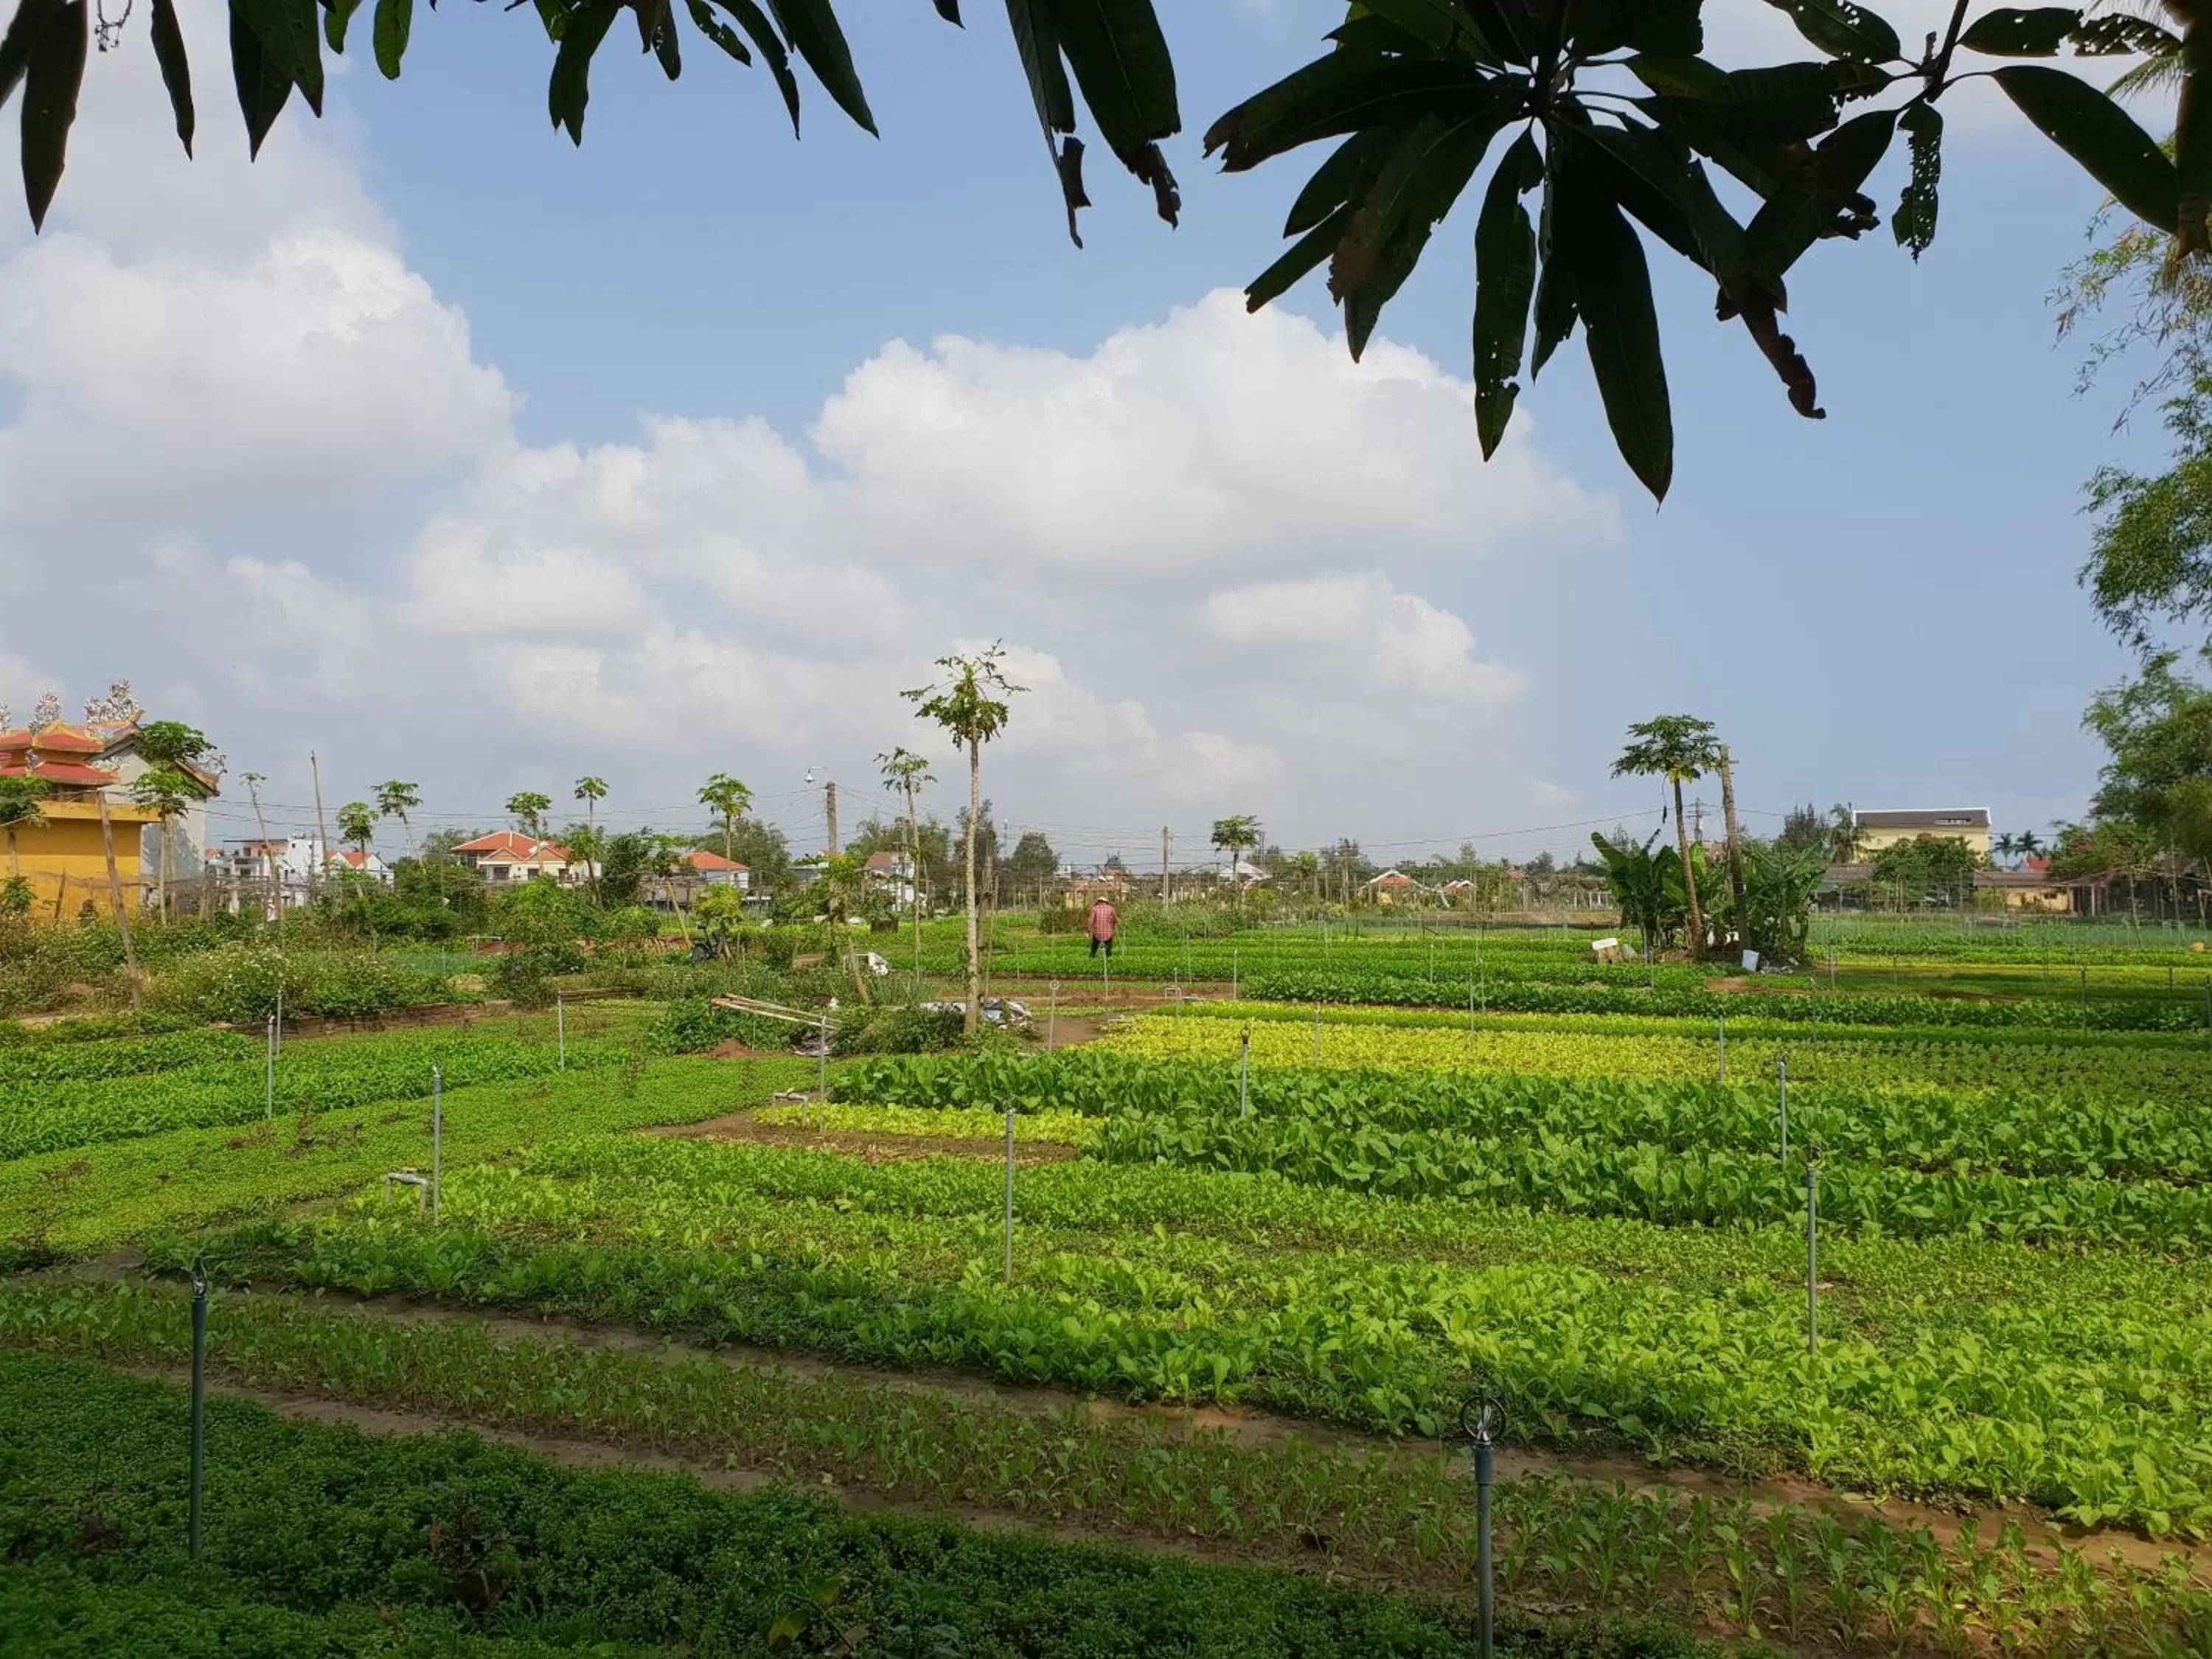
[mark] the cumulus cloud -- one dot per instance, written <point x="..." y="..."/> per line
<point x="1226" y="561"/>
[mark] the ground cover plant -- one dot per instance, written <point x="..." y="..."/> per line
<point x="120" y="1192"/>
<point x="2078" y="1064"/>
<point x="1950" y="1364"/>
<point x="1404" y="1516"/>
<point x="319" y="1533"/>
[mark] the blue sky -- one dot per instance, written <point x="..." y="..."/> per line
<point x="540" y="461"/>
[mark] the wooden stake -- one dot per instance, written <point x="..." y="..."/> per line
<point x="115" y="903"/>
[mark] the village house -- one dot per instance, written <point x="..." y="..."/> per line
<point x="507" y="856"/>
<point x="62" y="851"/>
<point x="1873" y="831"/>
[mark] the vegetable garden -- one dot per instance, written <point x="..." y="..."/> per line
<point x="1191" y="1307"/>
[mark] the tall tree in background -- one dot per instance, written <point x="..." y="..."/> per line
<point x="169" y="793"/>
<point x="1235" y="835"/>
<point x="2158" y="731"/>
<point x="529" y="808"/>
<point x="396" y="799"/>
<point x="727" y="798"/>
<point x="971" y="702"/>
<point x="1681" y="748"/>
<point x="592" y="791"/>
<point x="909" y="773"/>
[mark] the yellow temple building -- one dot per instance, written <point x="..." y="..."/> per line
<point x="62" y="851"/>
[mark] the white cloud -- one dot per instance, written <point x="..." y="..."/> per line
<point x="305" y="512"/>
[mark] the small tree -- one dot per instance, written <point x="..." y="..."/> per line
<point x="1678" y="748"/>
<point x="1235" y="836"/>
<point x="529" y="808"/>
<point x="592" y="791"/>
<point x="395" y="800"/>
<point x="904" y="770"/>
<point x="19" y="809"/>
<point x="970" y="703"/>
<point x="168" y="793"/>
<point x="728" y="798"/>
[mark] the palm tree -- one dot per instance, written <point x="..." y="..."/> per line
<point x="1234" y="836"/>
<point x="729" y="799"/>
<point x="396" y="799"/>
<point x="971" y="704"/>
<point x="903" y="769"/>
<point x="1306" y="865"/>
<point x="253" y="781"/>
<point x="1681" y="748"/>
<point x="592" y="791"/>
<point x="1842" y="833"/>
<point x="529" y="808"/>
<point x="19" y="809"/>
<point x="2028" y="844"/>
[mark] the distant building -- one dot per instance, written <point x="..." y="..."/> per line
<point x="64" y="854"/>
<point x="713" y="870"/>
<point x="1873" y="831"/>
<point x="367" y="864"/>
<point x="278" y="872"/>
<point x="892" y="872"/>
<point x="507" y="856"/>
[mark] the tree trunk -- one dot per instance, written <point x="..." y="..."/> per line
<point x="161" y="830"/>
<point x="1696" y="929"/>
<point x="115" y="903"/>
<point x="974" y="1014"/>
<point x="914" y="877"/>
<point x="1734" y="841"/>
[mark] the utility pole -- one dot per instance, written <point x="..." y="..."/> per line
<point x="831" y="791"/>
<point x="253" y="781"/>
<point x="1734" y="838"/>
<point x="319" y="868"/>
<point x="1163" y="864"/>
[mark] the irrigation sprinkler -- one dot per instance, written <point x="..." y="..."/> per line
<point x="1482" y="1420"/>
<point x="822" y="1065"/>
<point x="1052" y="1018"/>
<point x="1010" y="1192"/>
<point x="199" y="1397"/>
<point x="1811" y="1256"/>
<point x="1781" y="1099"/>
<point x="269" y="1067"/>
<point x="280" y="1019"/>
<point x="1470" y="1007"/>
<point x="561" y="1029"/>
<point x="1235" y="980"/>
<point x="437" y="1138"/>
<point x="1244" y="1076"/>
<point x="1724" y="1050"/>
<point x="2085" y="988"/>
<point x="2208" y="1020"/>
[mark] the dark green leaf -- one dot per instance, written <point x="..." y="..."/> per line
<point x="1307" y="251"/>
<point x="1666" y="27"/>
<point x="2192" y="143"/>
<point x="393" y="21"/>
<point x="337" y="15"/>
<point x="704" y="19"/>
<point x="1431" y="22"/>
<point x="1342" y="94"/>
<point x="2013" y="32"/>
<point x="662" y="38"/>
<point x="1555" y="287"/>
<point x="1818" y="197"/>
<point x="16" y="44"/>
<point x="1392" y="220"/>
<point x="176" y="69"/>
<point x="50" y="81"/>
<point x="570" y="89"/>
<point x="1648" y="173"/>
<point x="1915" y="222"/>
<point x="1784" y="104"/>
<point x="1842" y="29"/>
<point x="1038" y="41"/>
<point x="1621" y="329"/>
<point x="2116" y="34"/>
<point x="755" y="23"/>
<point x="1504" y="283"/>
<point x="2096" y="132"/>
<point x="1339" y="179"/>
<point x="812" y="29"/>
<point x="291" y="42"/>
<point x="1121" y="60"/>
<point x="1508" y="26"/>
<point x="262" y="86"/>
<point x="949" y="10"/>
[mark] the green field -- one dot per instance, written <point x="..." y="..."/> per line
<point x="1220" y="1379"/>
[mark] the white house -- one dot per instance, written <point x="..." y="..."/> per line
<point x="713" y="870"/>
<point x="365" y="864"/>
<point x="505" y="856"/>
<point x="894" y="873"/>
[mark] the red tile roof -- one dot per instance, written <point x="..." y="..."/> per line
<point x="14" y="766"/>
<point x="509" y="844"/>
<point x="886" y="860"/>
<point x="61" y="739"/>
<point x="705" y="860"/>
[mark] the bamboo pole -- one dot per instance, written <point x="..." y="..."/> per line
<point x="115" y="903"/>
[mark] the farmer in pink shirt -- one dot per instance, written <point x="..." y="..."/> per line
<point x="1104" y="919"/>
